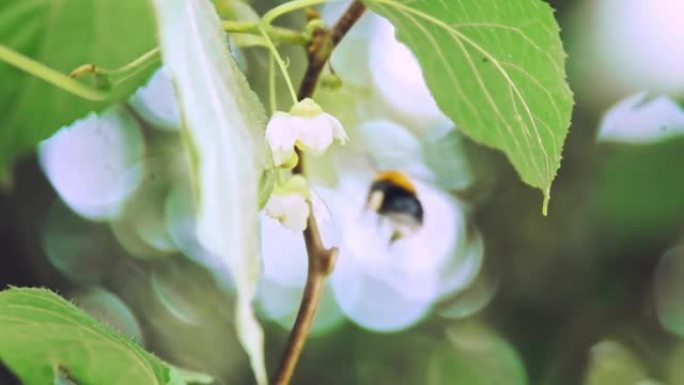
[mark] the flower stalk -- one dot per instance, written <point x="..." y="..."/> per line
<point x="321" y="259"/>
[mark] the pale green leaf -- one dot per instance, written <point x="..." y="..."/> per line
<point x="42" y="334"/>
<point x="179" y="376"/>
<point x="612" y="363"/>
<point x="64" y="35"/>
<point x="497" y="69"/>
<point x="224" y="126"/>
<point x="476" y="356"/>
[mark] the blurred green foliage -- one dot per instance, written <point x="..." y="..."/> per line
<point x="637" y="185"/>
<point x="64" y="35"/>
<point x="43" y="336"/>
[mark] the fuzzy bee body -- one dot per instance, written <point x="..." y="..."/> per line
<point x="392" y="195"/>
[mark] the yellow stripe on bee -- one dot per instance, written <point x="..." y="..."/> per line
<point x="396" y="178"/>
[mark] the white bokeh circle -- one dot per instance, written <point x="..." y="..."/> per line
<point x="95" y="163"/>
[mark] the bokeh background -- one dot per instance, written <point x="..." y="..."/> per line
<point x="592" y="294"/>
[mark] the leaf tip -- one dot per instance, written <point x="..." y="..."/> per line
<point x="545" y="204"/>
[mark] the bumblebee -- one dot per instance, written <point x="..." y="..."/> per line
<point x="393" y="196"/>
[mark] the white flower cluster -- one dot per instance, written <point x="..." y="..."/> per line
<point x="312" y="130"/>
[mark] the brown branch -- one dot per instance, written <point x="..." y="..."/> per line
<point x="322" y="44"/>
<point x="321" y="259"/>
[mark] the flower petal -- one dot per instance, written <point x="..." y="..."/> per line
<point x="316" y="134"/>
<point x="280" y="132"/>
<point x="292" y="210"/>
<point x="283" y="156"/>
<point x="281" y="135"/>
<point x="337" y="129"/>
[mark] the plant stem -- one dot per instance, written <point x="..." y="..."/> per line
<point x="289" y="7"/>
<point x="277" y="34"/>
<point x="145" y="59"/>
<point x="50" y="75"/>
<point x="283" y="70"/>
<point x="323" y="42"/>
<point x="121" y="74"/>
<point x="273" y="104"/>
<point x="321" y="259"/>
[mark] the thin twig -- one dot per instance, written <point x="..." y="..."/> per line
<point x="321" y="259"/>
<point x="50" y="75"/>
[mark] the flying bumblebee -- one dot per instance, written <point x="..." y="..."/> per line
<point x="393" y="196"/>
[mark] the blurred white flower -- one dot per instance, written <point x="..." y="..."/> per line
<point x="630" y="45"/>
<point x="280" y="288"/>
<point x="641" y="42"/>
<point x="307" y="126"/>
<point x="403" y="86"/>
<point x="388" y="286"/>
<point x="378" y="284"/>
<point x="383" y="72"/>
<point x="350" y="57"/>
<point x="95" y="163"/>
<point x="437" y="157"/>
<point x="156" y="102"/>
<point x="321" y="211"/>
<point x="640" y="119"/>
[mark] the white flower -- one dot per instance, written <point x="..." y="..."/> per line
<point x="291" y="210"/>
<point x="156" y="102"/>
<point x="389" y="286"/>
<point x="642" y="119"/>
<point x="305" y="126"/>
<point x="402" y="86"/>
<point x="650" y="60"/>
<point x="292" y="201"/>
<point x="95" y="164"/>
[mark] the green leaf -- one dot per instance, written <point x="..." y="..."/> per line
<point x="224" y="125"/>
<point x="178" y="376"/>
<point x="612" y="363"/>
<point x="476" y="356"/>
<point x="41" y="334"/>
<point x="497" y="69"/>
<point x="64" y="35"/>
